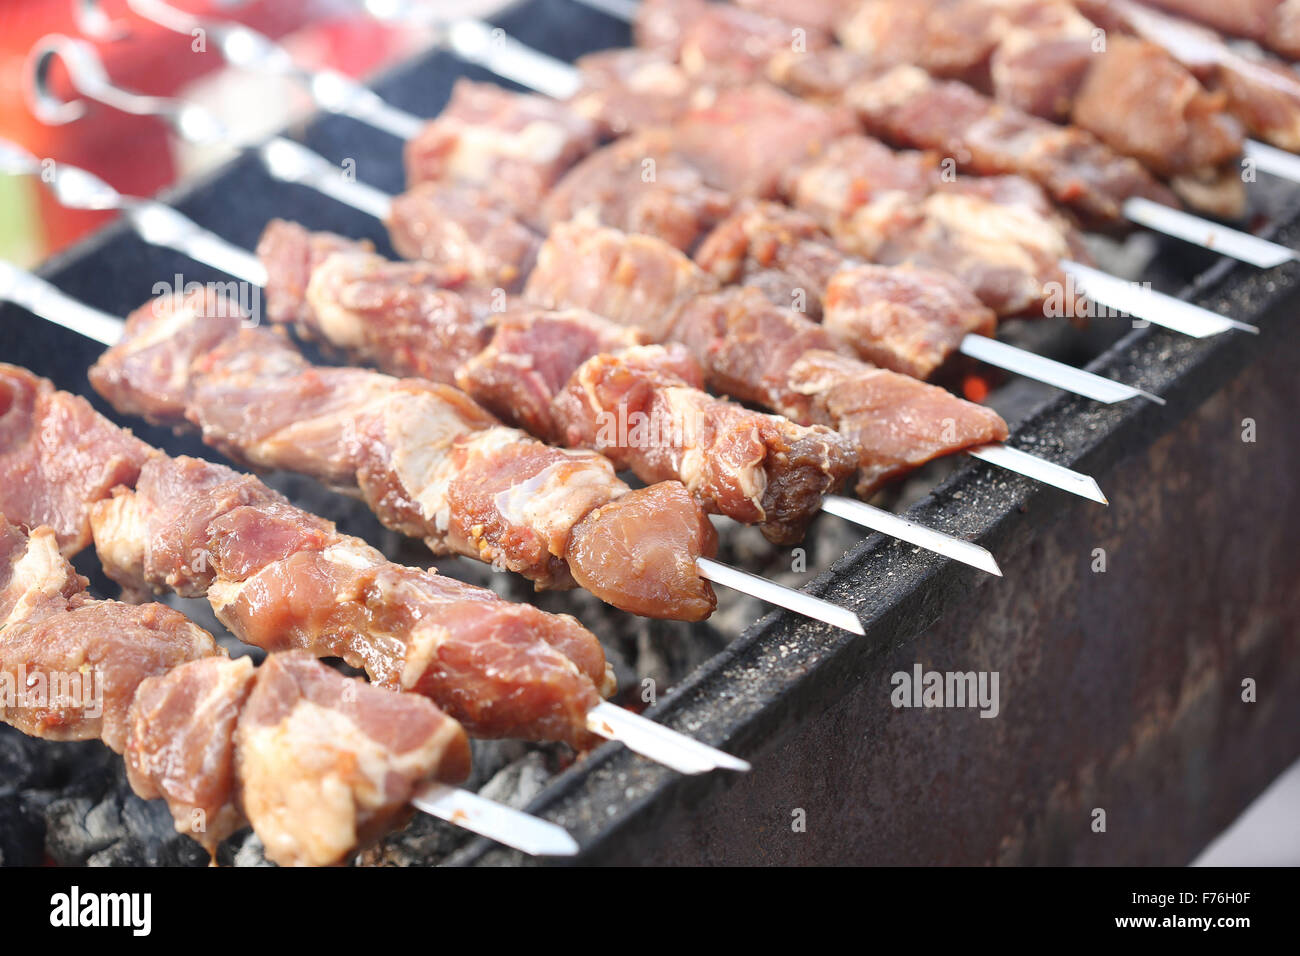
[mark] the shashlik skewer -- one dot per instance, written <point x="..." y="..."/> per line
<point x="280" y="578"/>
<point x="1043" y="57"/>
<point x="432" y="464"/>
<point x="1068" y="162"/>
<point x="226" y="744"/>
<point x="423" y="356"/>
<point x="513" y="60"/>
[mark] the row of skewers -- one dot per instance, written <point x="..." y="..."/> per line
<point x="560" y="288"/>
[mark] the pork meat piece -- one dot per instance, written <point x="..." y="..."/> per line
<point x="290" y="254"/>
<point x="531" y="357"/>
<point x="641" y="409"/>
<point x="466" y="235"/>
<point x="640" y="184"/>
<point x="634" y="280"/>
<point x="777" y="131"/>
<point x="58" y="456"/>
<point x="326" y="763"/>
<point x="517" y="145"/>
<point x="896" y="423"/>
<point x="778" y="250"/>
<point x="904" y="319"/>
<point x="181" y="745"/>
<point x="77" y="662"/>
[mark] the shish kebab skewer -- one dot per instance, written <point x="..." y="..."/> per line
<point x="281" y="578"/>
<point x="162" y="225"/>
<point x="1106" y="290"/>
<point x="294" y="163"/>
<point x="224" y="743"/>
<point x="907" y="107"/>
<point x="431" y="463"/>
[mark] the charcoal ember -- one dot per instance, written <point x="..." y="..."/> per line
<point x="520" y="781"/>
<point x="135" y="850"/>
<point x="249" y="853"/>
<point x="79" y="827"/>
<point x="22" y="831"/>
<point x="97" y="812"/>
<point x="24" y="762"/>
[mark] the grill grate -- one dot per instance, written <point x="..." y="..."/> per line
<point x="753" y="691"/>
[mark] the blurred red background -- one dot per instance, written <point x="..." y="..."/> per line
<point x="136" y="154"/>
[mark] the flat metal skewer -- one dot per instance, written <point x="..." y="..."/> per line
<point x="496" y="821"/>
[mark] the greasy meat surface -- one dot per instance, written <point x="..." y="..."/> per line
<point x="633" y="280"/>
<point x="643" y="408"/>
<point x="77" y="662"/>
<point x="181" y="744"/>
<point x="465" y="234"/>
<point x="909" y="108"/>
<point x="395" y="314"/>
<point x="778" y="250"/>
<point x="777" y="130"/>
<point x="1263" y="92"/>
<point x="1146" y="106"/>
<point x="856" y="171"/>
<point x="746" y="345"/>
<point x="280" y="578"/>
<point x="1045" y="57"/>
<point x="515" y="144"/>
<point x="640" y="184"/>
<point x="905" y="319"/>
<point x="997" y="235"/>
<point x="531" y="357"/>
<point x="290" y="254"/>
<point x="58" y="457"/>
<point x="897" y="423"/>
<point x="326" y="763"/>
<point x="652" y="532"/>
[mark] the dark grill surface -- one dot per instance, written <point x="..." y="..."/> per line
<point x="754" y="686"/>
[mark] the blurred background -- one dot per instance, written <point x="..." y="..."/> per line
<point x="136" y="154"/>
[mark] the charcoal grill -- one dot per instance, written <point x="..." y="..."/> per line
<point x="1120" y="690"/>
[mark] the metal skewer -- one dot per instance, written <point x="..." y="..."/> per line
<point x="643" y="736"/>
<point x="294" y="163"/>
